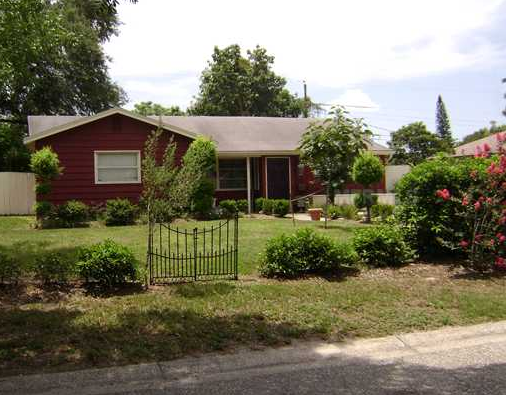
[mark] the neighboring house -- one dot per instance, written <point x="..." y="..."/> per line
<point x="474" y="147"/>
<point x="101" y="154"/>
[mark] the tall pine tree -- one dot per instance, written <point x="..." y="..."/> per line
<point x="443" y="128"/>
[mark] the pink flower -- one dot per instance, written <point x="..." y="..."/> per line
<point x="477" y="205"/>
<point x="501" y="237"/>
<point x="443" y="194"/>
<point x="486" y="147"/>
<point x="489" y="200"/>
<point x="499" y="262"/>
<point x="500" y="137"/>
<point x="465" y="202"/>
<point x="478" y="152"/>
<point x="492" y="242"/>
<point x="464" y="244"/>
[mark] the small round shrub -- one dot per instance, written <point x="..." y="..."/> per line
<point x="120" y="212"/>
<point x="382" y="245"/>
<point x="10" y="268"/>
<point x="267" y="206"/>
<point x="280" y="207"/>
<point x="228" y="207"/>
<point x="348" y="211"/>
<point x="333" y="212"/>
<point x="259" y="204"/>
<point x="242" y="205"/>
<point x="72" y="213"/>
<point x="382" y="211"/>
<point x="45" y="164"/>
<point x="52" y="267"/>
<point x="362" y="200"/>
<point x="108" y="263"/>
<point x="44" y="209"/>
<point x="304" y="252"/>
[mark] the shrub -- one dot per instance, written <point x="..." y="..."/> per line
<point x="267" y="206"/>
<point x="280" y="207"/>
<point x="71" y="213"/>
<point x="362" y="200"/>
<point x="45" y="164"/>
<point x="10" y="268"/>
<point x="259" y="204"/>
<point x="228" y="207"/>
<point x="200" y="161"/>
<point x="203" y="198"/>
<point x="333" y="211"/>
<point x="382" y="211"/>
<point x="120" y="212"/>
<point x="304" y="252"/>
<point x="242" y="205"/>
<point x="420" y="210"/>
<point x="53" y="267"/>
<point x="44" y="209"/>
<point x="108" y="263"/>
<point x="382" y="246"/>
<point x="348" y="211"/>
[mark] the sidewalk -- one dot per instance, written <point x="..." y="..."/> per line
<point x="452" y="360"/>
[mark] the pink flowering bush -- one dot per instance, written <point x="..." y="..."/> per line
<point x="481" y="212"/>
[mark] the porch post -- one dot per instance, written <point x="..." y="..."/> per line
<point x="248" y="178"/>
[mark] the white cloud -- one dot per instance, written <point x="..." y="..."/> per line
<point x="336" y="44"/>
<point x="356" y="98"/>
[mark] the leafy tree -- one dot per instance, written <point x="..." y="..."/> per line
<point x="53" y="61"/>
<point x="149" y="108"/>
<point x="14" y="156"/>
<point x="483" y="132"/>
<point x="329" y="148"/>
<point x="247" y="86"/>
<point x="367" y="170"/>
<point x="413" y="144"/>
<point x="443" y="127"/>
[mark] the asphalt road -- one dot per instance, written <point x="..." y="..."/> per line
<point x="470" y="360"/>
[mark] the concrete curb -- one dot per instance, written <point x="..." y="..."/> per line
<point x="213" y="367"/>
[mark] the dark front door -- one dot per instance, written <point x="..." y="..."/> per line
<point x="278" y="178"/>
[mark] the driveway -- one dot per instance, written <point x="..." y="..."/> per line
<point x="468" y="360"/>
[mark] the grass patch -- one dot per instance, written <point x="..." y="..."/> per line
<point x="64" y="329"/>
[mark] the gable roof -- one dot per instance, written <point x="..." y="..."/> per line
<point x="233" y="135"/>
<point x="40" y="126"/>
<point x="469" y="149"/>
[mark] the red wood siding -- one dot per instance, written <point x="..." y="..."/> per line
<point x="76" y="147"/>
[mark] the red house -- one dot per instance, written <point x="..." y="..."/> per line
<point x="101" y="154"/>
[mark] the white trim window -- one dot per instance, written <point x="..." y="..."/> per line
<point x="117" y="167"/>
<point x="232" y="174"/>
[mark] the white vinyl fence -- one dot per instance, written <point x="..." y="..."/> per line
<point x="347" y="198"/>
<point x="17" y="193"/>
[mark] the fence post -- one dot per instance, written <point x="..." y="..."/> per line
<point x="195" y="232"/>
<point x="236" y="244"/>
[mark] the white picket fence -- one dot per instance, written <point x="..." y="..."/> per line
<point x="347" y="198"/>
<point x="17" y="193"/>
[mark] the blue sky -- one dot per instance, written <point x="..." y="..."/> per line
<point x="395" y="56"/>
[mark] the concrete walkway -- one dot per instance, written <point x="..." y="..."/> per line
<point x="467" y="360"/>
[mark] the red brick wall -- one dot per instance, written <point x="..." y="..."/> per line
<point x="75" y="149"/>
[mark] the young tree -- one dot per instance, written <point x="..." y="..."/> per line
<point x="330" y="147"/>
<point x="413" y="144"/>
<point x="443" y="127"/>
<point x="244" y="86"/>
<point x="367" y="170"/>
<point x="149" y="108"/>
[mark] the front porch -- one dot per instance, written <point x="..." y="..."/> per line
<point x="251" y="177"/>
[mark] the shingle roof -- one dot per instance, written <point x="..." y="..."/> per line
<point x="232" y="134"/>
<point x="469" y="149"/>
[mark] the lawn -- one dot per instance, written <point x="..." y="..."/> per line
<point x="63" y="329"/>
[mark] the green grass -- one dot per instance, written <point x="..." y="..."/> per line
<point x="19" y="237"/>
<point x="64" y="329"/>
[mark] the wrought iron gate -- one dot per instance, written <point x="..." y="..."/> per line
<point x="179" y="254"/>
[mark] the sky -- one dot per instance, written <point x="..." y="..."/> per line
<point x="393" y="57"/>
